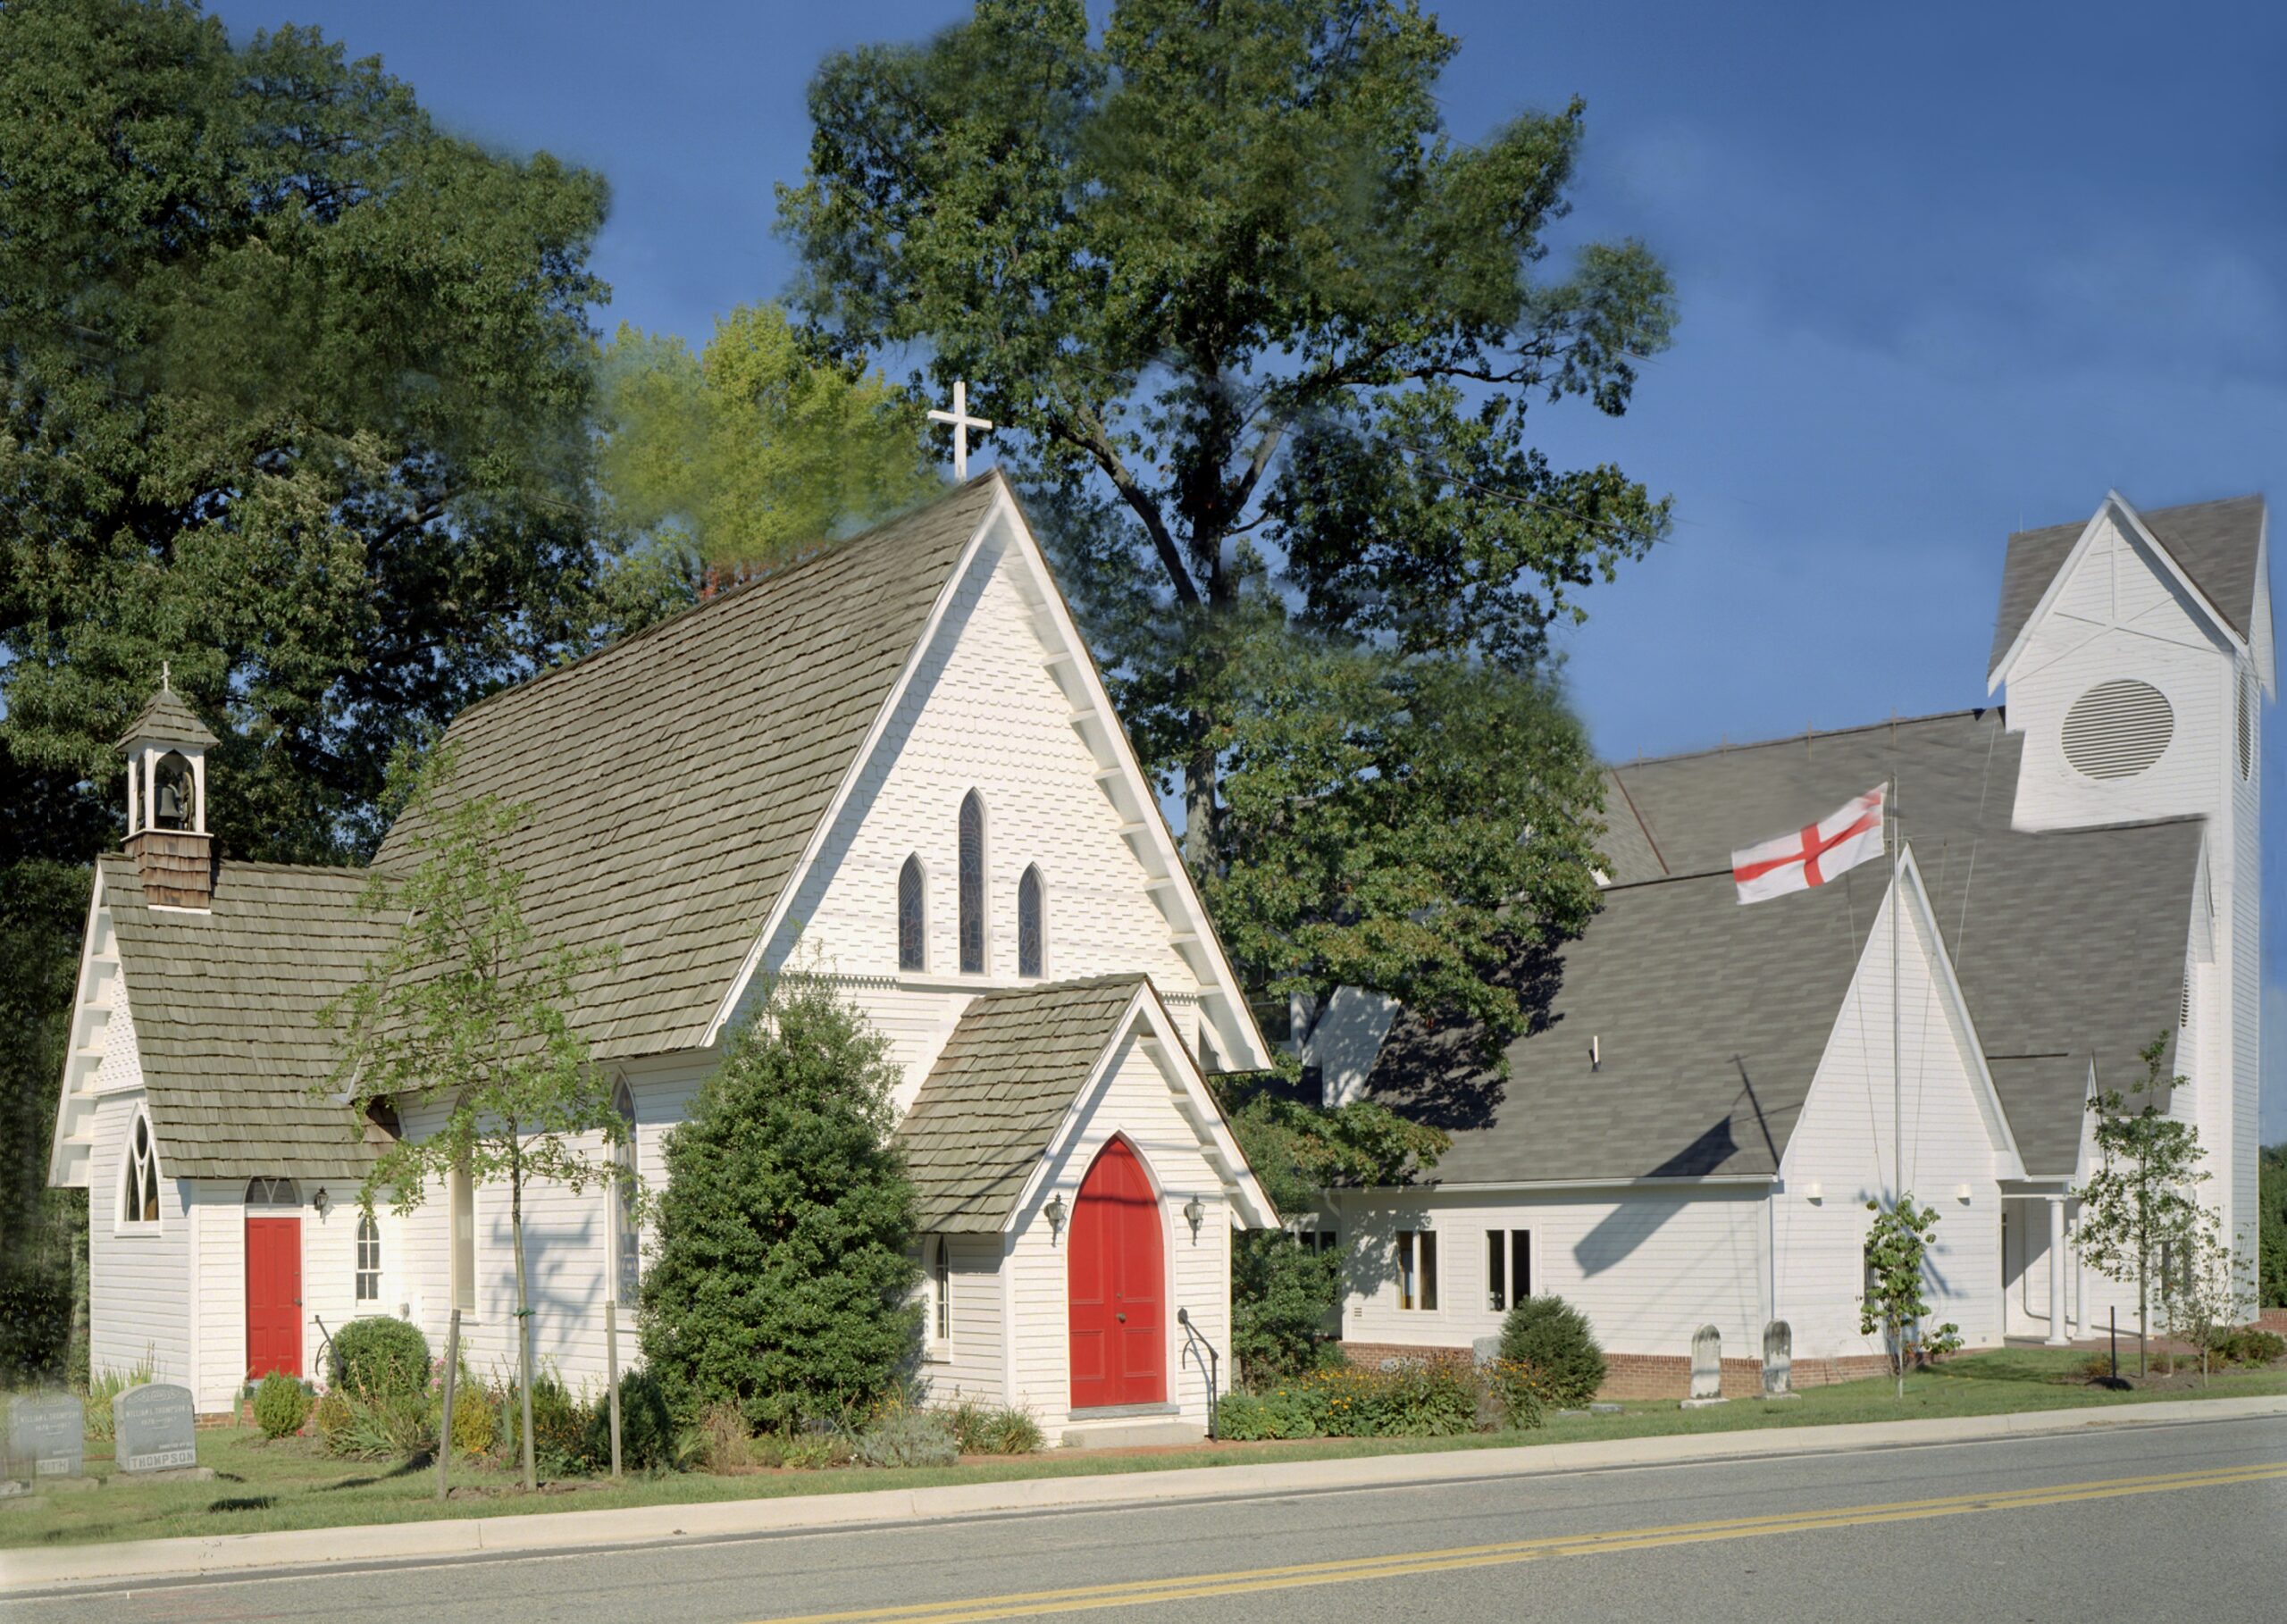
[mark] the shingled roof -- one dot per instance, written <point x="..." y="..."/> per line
<point x="164" y="717"/>
<point x="1711" y="1018"/>
<point x="2217" y="544"/>
<point x="674" y="778"/>
<point x="224" y="1005"/>
<point x="1004" y="1083"/>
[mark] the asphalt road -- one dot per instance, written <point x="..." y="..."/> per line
<point x="2153" y="1523"/>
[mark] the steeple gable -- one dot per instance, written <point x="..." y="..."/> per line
<point x="166" y="747"/>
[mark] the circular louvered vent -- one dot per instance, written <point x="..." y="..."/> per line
<point x="2117" y="729"/>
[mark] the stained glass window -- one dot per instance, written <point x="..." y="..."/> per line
<point x="1029" y="923"/>
<point x="972" y="900"/>
<point x="912" y="917"/>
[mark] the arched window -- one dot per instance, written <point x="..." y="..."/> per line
<point x="274" y="1192"/>
<point x="1030" y="906"/>
<point x="940" y="1290"/>
<point x="626" y="1238"/>
<point x="912" y="916"/>
<point x="138" y="1179"/>
<point x="972" y="884"/>
<point x="369" y="1258"/>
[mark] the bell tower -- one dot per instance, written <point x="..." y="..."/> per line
<point x="166" y="747"/>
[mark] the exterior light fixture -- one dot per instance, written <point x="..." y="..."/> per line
<point x="1194" y="1214"/>
<point x="1056" y="1215"/>
<point x="320" y="1200"/>
<point x="1814" y="1192"/>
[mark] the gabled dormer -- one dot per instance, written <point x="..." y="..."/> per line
<point x="2136" y="650"/>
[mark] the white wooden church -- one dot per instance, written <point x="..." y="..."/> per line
<point x="1690" y="1131"/>
<point x="897" y="753"/>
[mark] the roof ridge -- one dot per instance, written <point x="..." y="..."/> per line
<point x="784" y="569"/>
<point x="1792" y="739"/>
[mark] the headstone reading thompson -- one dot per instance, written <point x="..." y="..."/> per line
<point x="1706" y="1367"/>
<point x="152" y="1429"/>
<point x="1779" y="1361"/>
<point x="45" y="1436"/>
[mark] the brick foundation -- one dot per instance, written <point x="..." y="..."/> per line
<point x="1653" y="1376"/>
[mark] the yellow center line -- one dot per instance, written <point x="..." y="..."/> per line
<point x="1343" y="1570"/>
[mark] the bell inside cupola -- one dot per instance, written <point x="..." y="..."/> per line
<point x="166" y="747"/>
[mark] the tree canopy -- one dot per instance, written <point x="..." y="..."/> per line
<point x="1262" y="336"/>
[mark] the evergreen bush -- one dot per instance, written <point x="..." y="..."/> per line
<point x="1554" y="1338"/>
<point x="781" y="1279"/>
<point x="649" y="1441"/>
<point x="281" y="1405"/>
<point x="379" y="1355"/>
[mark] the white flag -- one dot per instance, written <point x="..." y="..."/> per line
<point x="1827" y="848"/>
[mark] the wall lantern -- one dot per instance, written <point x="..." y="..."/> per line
<point x="320" y="1200"/>
<point x="1056" y="1215"/>
<point x="1194" y="1215"/>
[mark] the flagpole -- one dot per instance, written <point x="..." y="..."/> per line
<point x="1897" y="1018"/>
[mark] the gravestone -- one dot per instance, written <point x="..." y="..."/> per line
<point x="45" y="1436"/>
<point x="152" y="1429"/>
<point x="1707" y="1369"/>
<point x="1779" y="1361"/>
<point x="1486" y="1349"/>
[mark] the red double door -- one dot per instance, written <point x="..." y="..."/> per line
<point x="273" y="1296"/>
<point x="1116" y="1285"/>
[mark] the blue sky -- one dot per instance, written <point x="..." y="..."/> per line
<point x="1944" y="271"/>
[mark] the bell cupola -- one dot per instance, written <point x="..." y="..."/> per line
<point x="166" y="747"/>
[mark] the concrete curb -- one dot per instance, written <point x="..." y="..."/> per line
<point x="144" y="1561"/>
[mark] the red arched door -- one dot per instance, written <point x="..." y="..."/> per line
<point x="1117" y="1285"/>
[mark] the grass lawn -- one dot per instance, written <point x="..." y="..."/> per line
<point x="262" y="1485"/>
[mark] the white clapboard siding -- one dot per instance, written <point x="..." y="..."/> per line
<point x="983" y="713"/>
<point x="1843" y="1145"/>
<point x="1134" y="1102"/>
<point x="1649" y="1266"/>
<point x="138" y="1276"/>
<point x="972" y="1365"/>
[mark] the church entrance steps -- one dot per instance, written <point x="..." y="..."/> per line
<point x="64" y="1569"/>
<point x="1129" y="1427"/>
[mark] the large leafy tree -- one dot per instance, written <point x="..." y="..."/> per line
<point x="756" y="447"/>
<point x="294" y="393"/>
<point x="1262" y="337"/>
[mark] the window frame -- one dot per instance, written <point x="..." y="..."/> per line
<point x="461" y="1272"/>
<point x="1508" y="1268"/>
<point x="1416" y="1271"/>
<point x="972" y="890"/>
<point x="366" y="1271"/>
<point x="139" y="1177"/>
<point x="941" y="1296"/>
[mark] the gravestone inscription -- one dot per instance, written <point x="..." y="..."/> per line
<point x="1779" y="1361"/>
<point x="152" y="1429"/>
<point x="45" y="1436"/>
<point x="1706" y="1367"/>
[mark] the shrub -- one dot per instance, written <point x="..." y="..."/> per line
<point x="281" y="1405"/>
<point x="379" y="1355"/>
<point x="1518" y="1391"/>
<point x="104" y="1385"/>
<point x="477" y="1422"/>
<point x="563" y="1423"/>
<point x="331" y="1419"/>
<point x="1415" y="1400"/>
<point x="378" y="1427"/>
<point x="909" y="1437"/>
<point x="995" y="1429"/>
<point x="781" y="1279"/>
<point x="648" y="1439"/>
<point x="1281" y="1298"/>
<point x="723" y="1443"/>
<point x="2246" y="1346"/>
<point x="1553" y="1337"/>
<point x="810" y="1451"/>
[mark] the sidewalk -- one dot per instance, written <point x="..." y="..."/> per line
<point x="145" y="1560"/>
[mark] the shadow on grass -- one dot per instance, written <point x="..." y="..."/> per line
<point x="421" y="1462"/>
<point x="245" y="1503"/>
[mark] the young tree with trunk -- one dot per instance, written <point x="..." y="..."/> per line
<point x="2143" y="1199"/>
<point x="463" y="1009"/>
<point x="1895" y="1303"/>
<point x="2206" y="1286"/>
<point x="1261" y="337"/>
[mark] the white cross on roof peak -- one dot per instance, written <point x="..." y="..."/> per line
<point x="962" y="423"/>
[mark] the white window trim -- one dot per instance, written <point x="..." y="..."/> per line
<point x="473" y="1313"/>
<point x="937" y="1298"/>
<point x="1398" y="1284"/>
<point x="357" y="1270"/>
<point x="620" y="1229"/>
<point x="121" y="1224"/>
<point x="1509" y="1231"/>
